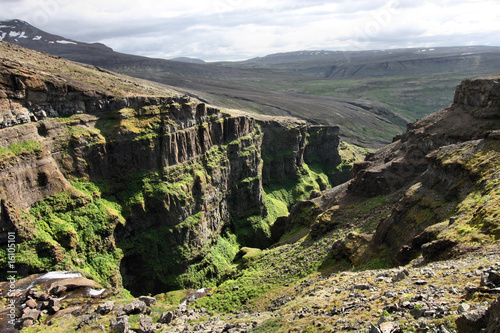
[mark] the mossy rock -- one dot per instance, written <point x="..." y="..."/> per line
<point x="247" y="255"/>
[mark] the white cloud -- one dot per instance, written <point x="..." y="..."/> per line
<point x="238" y="29"/>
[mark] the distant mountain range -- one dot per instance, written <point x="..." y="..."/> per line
<point x="376" y="63"/>
<point x="370" y="94"/>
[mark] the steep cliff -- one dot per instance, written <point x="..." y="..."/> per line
<point x="108" y="176"/>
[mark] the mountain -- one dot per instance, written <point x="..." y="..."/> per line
<point x="215" y="84"/>
<point x="378" y="63"/>
<point x="21" y="33"/>
<point x="237" y="222"/>
<point x="189" y="60"/>
<point x="371" y="95"/>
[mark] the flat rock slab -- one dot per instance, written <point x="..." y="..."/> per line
<point x="74" y="283"/>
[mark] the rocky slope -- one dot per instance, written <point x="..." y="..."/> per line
<point x="436" y="183"/>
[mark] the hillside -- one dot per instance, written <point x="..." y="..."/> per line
<point x="371" y="95"/>
<point x="237" y="223"/>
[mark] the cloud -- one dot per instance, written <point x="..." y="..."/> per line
<point x="238" y="29"/>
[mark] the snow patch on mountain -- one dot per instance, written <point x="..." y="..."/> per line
<point x="65" y="42"/>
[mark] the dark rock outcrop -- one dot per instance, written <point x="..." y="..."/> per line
<point x="481" y="320"/>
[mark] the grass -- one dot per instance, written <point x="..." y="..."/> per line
<point x="269" y="326"/>
<point x="408" y="97"/>
<point x="477" y="210"/>
<point x="81" y="77"/>
<point x="20" y="148"/>
<point x="72" y="231"/>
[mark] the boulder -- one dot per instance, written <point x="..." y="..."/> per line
<point x="28" y="322"/>
<point x="31" y="314"/>
<point x="71" y="284"/>
<point x="361" y="286"/>
<point x="146" y="324"/>
<point x="31" y="304"/>
<point x="43" y="297"/>
<point x="353" y="247"/>
<point x="88" y="320"/>
<point x="58" y="290"/>
<point x="135" y="307"/>
<point x="482" y="320"/>
<point x="490" y="279"/>
<point x="463" y="308"/>
<point x="148" y="300"/>
<point x="493" y="325"/>
<point x="167" y="317"/>
<point x="53" y="309"/>
<point x="105" y="307"/>
<point x="401" y="275"/>
<point x="374" y="329"/>
<point x="389" y="327"/>
<point x="438" y="249"/>
<point x="120" y="324"/>
<point x="472" y="321"/>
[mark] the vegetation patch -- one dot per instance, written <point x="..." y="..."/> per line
<point x="72" y="231"/>
<point x="20" y="148"/>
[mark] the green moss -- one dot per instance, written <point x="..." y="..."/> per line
<point x="216" y="265"/>
<point x="191" y="222"/>
<point x="476" y="216"/>
<point x="72" y="231"/>
<point x="246" y="256"/>
<point x="297" y="187"/>
<point x="227" y="298"/>
<point x="376" y="263"/>
<point x="172" y="297"/>
<point x="298" y="231"/>
<point x="16" y="149"/>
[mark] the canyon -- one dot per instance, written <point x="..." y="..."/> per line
<point x="170" y="179"/>
<point x="277" y="222"/>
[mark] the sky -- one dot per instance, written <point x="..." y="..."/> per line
<point x="215" y="30"/>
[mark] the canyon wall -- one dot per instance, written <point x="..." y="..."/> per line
<point x="150" y="192"/>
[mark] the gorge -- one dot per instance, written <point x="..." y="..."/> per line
<point x="165" y="188"/>
<point x="147" y="191"/>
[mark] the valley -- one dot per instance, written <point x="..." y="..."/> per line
<point x="249" y="197"/>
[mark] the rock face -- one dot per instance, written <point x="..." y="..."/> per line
<point x="144" y="188"/>
<point x="286" y="147"/>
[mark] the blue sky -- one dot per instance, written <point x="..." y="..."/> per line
<point x="236" y="29"/>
